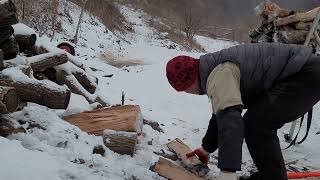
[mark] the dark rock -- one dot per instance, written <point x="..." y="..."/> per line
<point x="99" y="149"/>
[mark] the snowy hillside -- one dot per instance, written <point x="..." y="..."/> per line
<point x="61" y="151"/>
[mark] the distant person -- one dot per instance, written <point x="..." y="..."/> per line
<point x="276" y="83"/>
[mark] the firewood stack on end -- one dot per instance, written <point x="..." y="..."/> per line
<point x="284" y="26"/>
<point x="36" y="75"/>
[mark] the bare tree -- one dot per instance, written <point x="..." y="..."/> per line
<point x="75" y="39"/>
<point x="191" y="23"/>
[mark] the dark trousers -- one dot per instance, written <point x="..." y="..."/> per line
<point x="288" y="100"/>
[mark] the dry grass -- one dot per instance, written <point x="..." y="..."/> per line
<point x="108" y="14"/>
<point x="110" y="59"/>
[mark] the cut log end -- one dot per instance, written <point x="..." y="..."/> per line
<point x="121" y="142"/>
<point x="11" y="100"/>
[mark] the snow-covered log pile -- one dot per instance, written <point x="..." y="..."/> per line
<point x="34" y="74"/>
<point x="281" y="25"/>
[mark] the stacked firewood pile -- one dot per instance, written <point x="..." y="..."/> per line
<point x="36" y="75"/>
<point x="284" y="26"/>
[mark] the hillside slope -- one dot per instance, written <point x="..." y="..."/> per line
<point x="58" y="151"/>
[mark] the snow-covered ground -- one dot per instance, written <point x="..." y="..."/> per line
<point x="54" y="152"/>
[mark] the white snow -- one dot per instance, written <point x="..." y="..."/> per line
<point x="23" y="29"/>
<point x="54" y="151"/>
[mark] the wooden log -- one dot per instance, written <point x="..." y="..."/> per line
<point x="298" y="17"/>
<point x="168" y="169"/>
<point x="6" y="33"/>
<point x="48" y="60"/>
<point x="181" y="149"/>
<point x="9" y="126"/>
<point x="26" y="42"/>
<point x="8" y="14"/>
<point x="41" y="92"/>
<point x="122" y="118"/>
<point x="270" y="10"/>
<point x="9" y="99"/>
<point x="303" y="25"/>
<point x="120" y="142"/>
<point x="292" y="37"/>
<point x="62" y="77"/>
<point x="88" y="83"/>
<point x="10" y="48"/>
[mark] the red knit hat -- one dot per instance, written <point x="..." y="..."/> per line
<point x="182" y="72"/>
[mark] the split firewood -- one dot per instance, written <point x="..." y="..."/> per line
<point x="193" y="164"/>
<point x="181" y="149"/>
<point x="9" y="126"/>
<point x="298" y="17"/>
<point x="44" y="93"/>
<point x="122" y="118"/>
<point x="10" y="48"/>
<point x="6" y="33"/>
<point x="8" y="14"/>
<point x="120" y="141"/>
<point x="9" y="99"/>
<point x="26" y="42"/>
<point x="303" y="25"/>
<point x="48" y="60"/>
<point x="168" y="169"/>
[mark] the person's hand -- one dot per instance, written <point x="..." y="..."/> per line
<point x="201" y="153"/>
<point x="227" y="176"/>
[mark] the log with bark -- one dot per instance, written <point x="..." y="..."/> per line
<point x="26" y="42"/>
<point x="48" y="60"/>
<point x="298" y="17"/>
<point x="62" y="77"/>
<point x="9" y="126"/>
<point x="8" y="15"/>
<point x="120" y="141"/>
<point x="6" y="33"/>
<point x="89" y="83"/>
<point x="10" y="48"/>
<point x="122" y="118"/>
<point x="44" y="93"/>
<point x="168" y="169"/>
<point x="9" y="99"/>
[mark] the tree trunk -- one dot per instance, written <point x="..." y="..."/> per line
<point x="9" y="99"/>
<point x="8" y="14"/>
<point x="298" y="17"/>
<point x="26" y="42"/>
<point x="41" y="92"/>
<point x="168" y="169"/>
<point x="9" y="126"/>
<point x="6" y="33"/>
<point x="122" y="118"/>
<point x="10" y="48"/>
<point x="48" y="60"/>
<point x="120" y="142"/>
